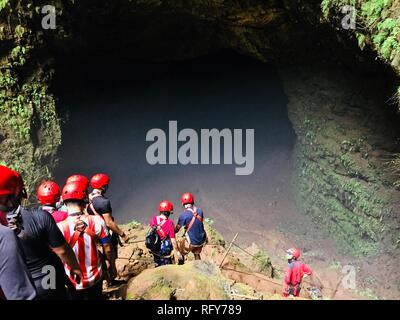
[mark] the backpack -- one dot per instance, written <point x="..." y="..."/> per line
<point x="153" y="239"/>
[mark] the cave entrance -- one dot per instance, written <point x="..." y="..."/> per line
<point x="110" y="107"/>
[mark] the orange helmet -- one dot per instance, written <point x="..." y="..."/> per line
<point x="293" y="253"/>
<point x="187" y="198"/>
<point x="48" y="193"/>
<point x="74" y="191"/>
<point x="99" y="181"/>
<point x="165" y="206"/>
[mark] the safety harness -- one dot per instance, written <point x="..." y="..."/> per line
<point x="80" y="229"/>
<point x="160" y="225"/>
<point x="93" y="195"/>
<point x="190" y="225"/>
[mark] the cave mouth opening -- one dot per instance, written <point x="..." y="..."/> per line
<point x="110" y="106"/>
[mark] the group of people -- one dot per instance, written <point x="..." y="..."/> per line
<point x="65" y="248"/>
<point x="161" y="239"/>
<point x="52" y="252"/>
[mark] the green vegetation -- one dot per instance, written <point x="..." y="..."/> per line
<point x="263" y="262"/>
<point x="29" y="125"/>
<point x="134" y="224"/>
<point x="337" y="180"/>
<point x="214" y="236"/>
<point x="378" y="25"/>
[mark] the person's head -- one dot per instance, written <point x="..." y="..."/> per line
<point x="187" y="199"/>
<point x="49" y="193"/>
<point x="12" y="189"/>
<point x="100" y="181"/>
<point x="166" y="208"/>
<point x="74" y="196"/>
<point x="78" y="178"/>
<point x="293" y="254"/>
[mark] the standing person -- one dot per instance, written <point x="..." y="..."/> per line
<point x="15" y="280"/>
<point x="48" y="195"/>
<point x="166" y="234"/>
<point x="195" y="235"/>
<point x="100" y="205"/>
<point x="42" y="243"/>
<point x="295" y="273"/>
<point x="83" y="233"/>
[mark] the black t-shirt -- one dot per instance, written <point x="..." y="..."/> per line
<point x="39" y="233"/>
<point x="101" y="204"/>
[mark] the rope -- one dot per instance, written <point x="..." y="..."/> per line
<point x="245" y="251"/>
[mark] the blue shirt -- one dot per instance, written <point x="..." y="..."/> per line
<point x="197" y="234"/>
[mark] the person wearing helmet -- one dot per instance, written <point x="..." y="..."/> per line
<point x="78" y="178"/>
<point x="165" y="229"/>
<point x="192" y="220"/>
<point x="15" y="280"/>
<point x="295" y="273"/>
<point x="84" y="233"/>
<point x="100" y="205"/>
<point x="43" y="245"/>
<point x="49" y="195"/>
<point x="81" y="179"/>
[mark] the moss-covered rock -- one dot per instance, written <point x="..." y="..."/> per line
<point x="343" y="141"/>
<point x="196" y="280"/>
<point x="29" y="125"/>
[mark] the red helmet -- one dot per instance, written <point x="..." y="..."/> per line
<point x="74" y="191"/>
<point x="99" y="181"/>
<point x="78" y="178"/>
<point x="10" y="182"/>
<point x="187" y="198"/>
<point x="294" y="253"/>
<point x="165" y="206"/>
<point x="48" y="193"/>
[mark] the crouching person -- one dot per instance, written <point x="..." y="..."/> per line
<point x="161" y="237"/>
<point x="84" y="233"/>
<point x="195" y="235"/>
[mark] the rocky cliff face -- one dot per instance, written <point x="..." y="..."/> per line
<point x="340" y="174"/>
<point x="345" y="141"/>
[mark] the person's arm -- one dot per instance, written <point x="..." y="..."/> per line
<point x="104" y="208"/>
<point x="179" y="224"/>
<point x="57" y="243"/>
<point x="307" y="271"/>
<point x="112" y="225"/>
<point x="288" y="276"/>
<point x="67" y="256"/>
<point x="15" y="280"/>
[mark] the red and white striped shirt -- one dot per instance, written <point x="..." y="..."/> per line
<point x="85" y="248"/>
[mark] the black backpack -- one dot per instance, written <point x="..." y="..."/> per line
<point x="153" y="241"/>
